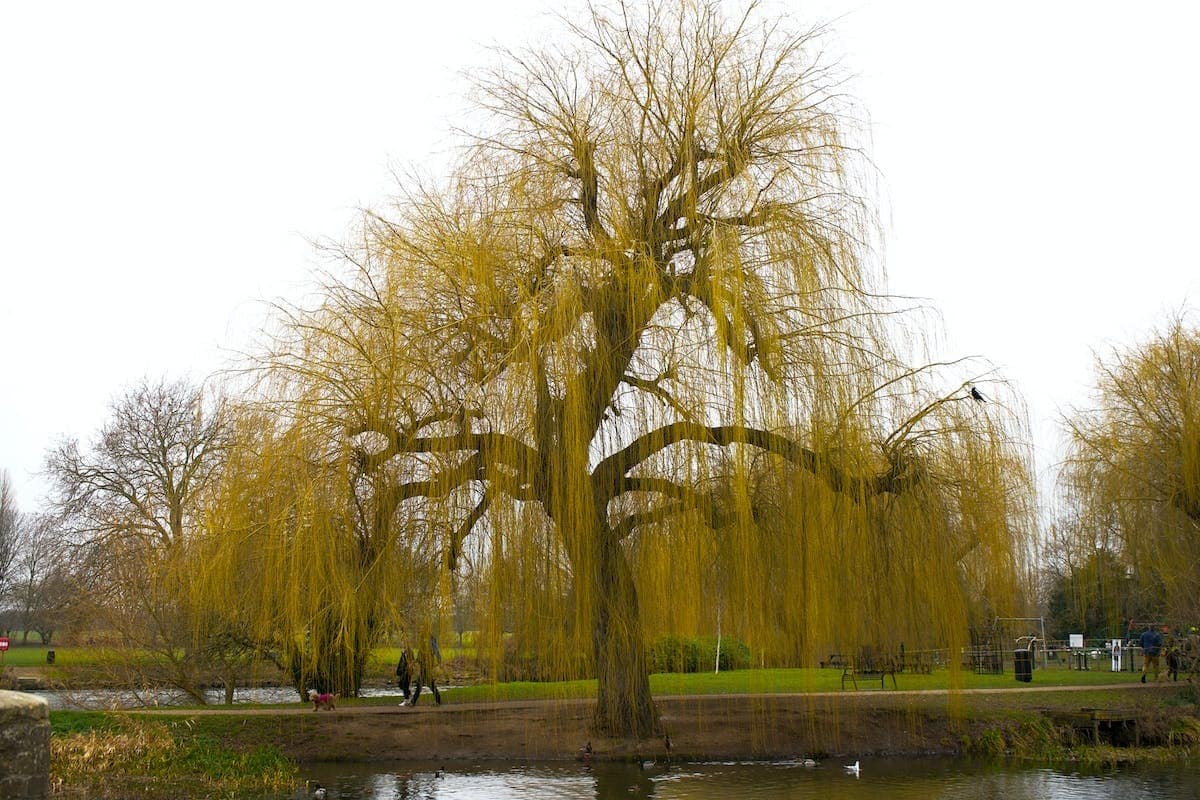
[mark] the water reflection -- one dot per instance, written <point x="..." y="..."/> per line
<point x="922" y="779"/>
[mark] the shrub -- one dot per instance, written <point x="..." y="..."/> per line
<point x="526" y="662"/>
<point x="672" y="653"/>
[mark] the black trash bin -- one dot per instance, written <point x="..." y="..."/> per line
<point x="1023" y="665"/>
<point x="49" y="656"/>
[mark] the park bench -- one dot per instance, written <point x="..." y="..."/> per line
<point x="918" y="663"/>
<point x="869" y="666"/>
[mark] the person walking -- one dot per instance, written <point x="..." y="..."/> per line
<point x="1171" y="651"/>
<point x="404" y="674"/>
<point x="1151" y="642"/>
<point x="427" y="674"/>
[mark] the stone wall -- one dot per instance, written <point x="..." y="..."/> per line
<point x="24" y="746"/>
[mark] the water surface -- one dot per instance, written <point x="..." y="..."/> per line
<point x="115" y="699"/>
<point x="916" y="779"/>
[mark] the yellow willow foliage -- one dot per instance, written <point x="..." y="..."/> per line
<point x="626" y="372"/>
<point x="1132" y="478"/>
<point x="286" y="562"/>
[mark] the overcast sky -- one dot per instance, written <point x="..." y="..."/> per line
<point x="164" y="169"/>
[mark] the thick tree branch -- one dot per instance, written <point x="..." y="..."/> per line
<point x="464" y="530"/>
<point x="611" y="475"/>
<point x="634" y="521"/>
<point x="501" y="461"/>
<point x="589" y="193"/>
<point x="492" y="446"/>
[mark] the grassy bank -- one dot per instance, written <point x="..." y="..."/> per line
<point x="1168" y="727"/>
<point x="252" y="752"/>
<point x="112" y="755"/>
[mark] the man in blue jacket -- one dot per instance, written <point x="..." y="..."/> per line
<point x="1151" y="642"/>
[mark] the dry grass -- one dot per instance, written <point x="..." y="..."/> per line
<point x="148" y="759"/>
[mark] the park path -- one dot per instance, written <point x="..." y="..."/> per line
<point x="514" y="705"/>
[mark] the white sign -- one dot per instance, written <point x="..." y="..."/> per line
<point x="1076" y="641"/>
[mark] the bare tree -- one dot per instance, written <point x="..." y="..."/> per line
<point x="143" y="473"/>
<point x="42" y="579"/>
<point x="9" y="520"/>
<point x="132" y="500"/>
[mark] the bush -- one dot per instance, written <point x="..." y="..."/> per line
<point x="527" y="662"/>
<point x="673" y="653"/>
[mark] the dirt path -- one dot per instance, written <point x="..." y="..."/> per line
<point x="428" y="707"/>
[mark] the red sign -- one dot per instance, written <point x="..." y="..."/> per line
<point x="3" y="643"/>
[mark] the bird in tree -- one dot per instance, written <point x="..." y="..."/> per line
<point x="977" y="396"/>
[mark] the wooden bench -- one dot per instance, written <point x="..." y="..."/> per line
<point x="919" y="663"/>
<point x="872" y="668"/>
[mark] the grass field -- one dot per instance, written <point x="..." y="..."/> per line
<point x="748" y="681"/>
<point x="35" y="655"/>
<point x="774" y="681"/>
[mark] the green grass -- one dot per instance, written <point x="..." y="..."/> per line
<point x="32" y="655"/>
<point x="382" y="657"/>
<point x="768" y="681"/>
<point x="63" y="723"/>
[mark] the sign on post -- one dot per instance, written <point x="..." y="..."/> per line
<point x="3" y="643"/>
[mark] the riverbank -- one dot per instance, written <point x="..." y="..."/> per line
<point x="714" y="727"/>
<point x="246" y="750"/>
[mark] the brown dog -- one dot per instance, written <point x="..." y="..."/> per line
<point x="323" y="700"/>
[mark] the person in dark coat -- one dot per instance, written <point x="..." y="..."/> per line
<point x="1171" y="650"/>
<point x="426" y="674"/>
<point x="404" y="674"/>
<point x="1151" y="642"/>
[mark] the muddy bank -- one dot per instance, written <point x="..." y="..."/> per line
<point x="717" y="727"/>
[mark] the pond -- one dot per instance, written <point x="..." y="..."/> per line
<point x="903" y="779"/>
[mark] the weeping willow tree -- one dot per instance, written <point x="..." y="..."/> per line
<point x="1131" y="480"/>
<point x="629" y="364"/>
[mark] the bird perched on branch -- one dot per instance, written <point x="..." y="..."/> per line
<point x="976" y="396"/>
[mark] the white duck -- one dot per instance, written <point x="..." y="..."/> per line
<point x="853" y="769"/>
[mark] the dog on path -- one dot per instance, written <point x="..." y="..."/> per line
<point x="323" y="700"/>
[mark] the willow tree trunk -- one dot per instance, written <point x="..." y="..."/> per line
<point x="624" y="706"/>
<point x="331" y="663"/>
<point x="332" y="671"/>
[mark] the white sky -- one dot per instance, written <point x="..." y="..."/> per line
<point x="164" y="167"/>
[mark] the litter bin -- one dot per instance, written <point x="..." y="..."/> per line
<point x="1023" y="665"/>
<point x="49" y="656"/>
